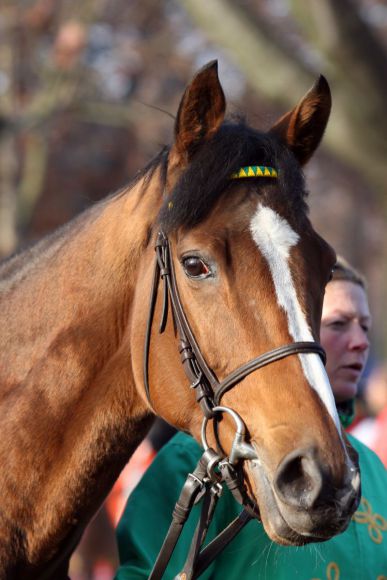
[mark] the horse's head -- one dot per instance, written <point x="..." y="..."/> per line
<point x="249" y="272"/>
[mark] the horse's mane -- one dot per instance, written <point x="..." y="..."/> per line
<point x="207" y="177"/>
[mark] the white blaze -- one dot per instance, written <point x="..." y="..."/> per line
<point x="274" y="238"/>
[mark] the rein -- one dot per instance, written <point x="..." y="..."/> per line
<point x="212" y="469"/>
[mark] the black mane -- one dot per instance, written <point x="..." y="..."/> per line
<point x="207" y="177"/>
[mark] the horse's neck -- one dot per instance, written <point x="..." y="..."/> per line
<point x="68" y="406"/>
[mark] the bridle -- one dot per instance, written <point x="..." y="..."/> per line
<point x="213" y="468"/>
<point x="209" y="391"/>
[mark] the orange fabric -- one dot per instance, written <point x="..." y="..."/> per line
<point x="380" y="442"/>
<point x="130" y="476"/>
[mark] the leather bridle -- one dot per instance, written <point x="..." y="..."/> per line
<point x="212" y="468"/>
<point x="209" y="391"/>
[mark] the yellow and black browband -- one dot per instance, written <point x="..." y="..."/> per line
<point x="254" y="171"/>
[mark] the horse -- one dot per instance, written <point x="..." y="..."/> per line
<point x="76" y="399"/>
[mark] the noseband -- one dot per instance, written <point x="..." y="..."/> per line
<point x="212" y="469"/>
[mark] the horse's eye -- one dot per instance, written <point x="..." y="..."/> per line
<point x="194" y="267"/>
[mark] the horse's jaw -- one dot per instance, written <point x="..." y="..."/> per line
<point x="295" y="525"/>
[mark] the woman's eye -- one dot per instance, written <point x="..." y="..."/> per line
<point x="338" y="324"/>
<point x="195" y="267"/>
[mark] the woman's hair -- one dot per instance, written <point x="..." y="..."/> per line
<point x="347" y="273"/>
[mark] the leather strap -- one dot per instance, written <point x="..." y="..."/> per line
<point x="208" y="507"/>
<point x="263" y="360"/>
<point x="188" y="495"/>
<point x="222" y="540"/>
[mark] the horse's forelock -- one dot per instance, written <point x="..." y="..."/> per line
<point x="207" y="177"/>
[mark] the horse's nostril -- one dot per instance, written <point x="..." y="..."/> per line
<point x="299" y="479"/>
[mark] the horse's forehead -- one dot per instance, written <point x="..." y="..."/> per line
<point x="248" y="215"/>
<point x="235" y="209"/>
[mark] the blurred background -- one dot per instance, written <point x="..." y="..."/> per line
<point x="88" y="91"/>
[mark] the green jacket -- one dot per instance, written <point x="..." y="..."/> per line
<point x="360" y="553"/>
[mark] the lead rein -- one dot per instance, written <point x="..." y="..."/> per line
<point x="204" y="481"/>
<point x="193" y="490"/>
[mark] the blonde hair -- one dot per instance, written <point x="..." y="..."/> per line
<point x="343" y="270"/>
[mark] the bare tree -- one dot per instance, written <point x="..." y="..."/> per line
<point x="349" y="54"/>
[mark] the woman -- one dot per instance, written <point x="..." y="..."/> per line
<point x="359" y="553"/>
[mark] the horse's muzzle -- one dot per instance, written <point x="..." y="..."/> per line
<point x="303" y="502"/>
<point x="303" y="481"/>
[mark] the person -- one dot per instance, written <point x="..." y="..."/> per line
<point x="358" y="553"/>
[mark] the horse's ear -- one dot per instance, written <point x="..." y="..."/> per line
<point x="302" y="128"/>
<point x="200" y="113"/>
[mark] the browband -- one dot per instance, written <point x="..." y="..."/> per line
<point x="254" y="171"/>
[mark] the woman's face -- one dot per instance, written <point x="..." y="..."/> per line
<point x="345" y="324"/>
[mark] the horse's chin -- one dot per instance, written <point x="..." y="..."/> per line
<point x="290" y="526"/>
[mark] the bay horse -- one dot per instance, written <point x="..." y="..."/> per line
<point x="251" y="273"/>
